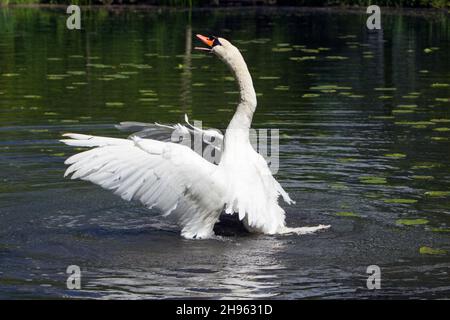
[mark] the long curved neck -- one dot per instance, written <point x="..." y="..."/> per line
<point x="242" y="118"/>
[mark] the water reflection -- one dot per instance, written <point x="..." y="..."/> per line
<point x="213" y="269"/>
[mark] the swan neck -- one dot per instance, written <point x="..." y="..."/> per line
<point x="242" y="118"/>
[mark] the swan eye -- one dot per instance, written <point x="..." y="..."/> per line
<point x="215" y="41"/>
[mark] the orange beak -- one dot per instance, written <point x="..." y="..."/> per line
<point x="209" y="42"/>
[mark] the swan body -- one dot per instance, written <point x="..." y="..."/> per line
<point x="182" y="184"/>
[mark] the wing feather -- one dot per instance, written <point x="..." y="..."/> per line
<point x="165" y="175"/>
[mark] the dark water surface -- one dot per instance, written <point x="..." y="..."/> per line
<point x="364" y="120"/>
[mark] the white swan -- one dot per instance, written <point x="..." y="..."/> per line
<point x="179" y="182"/>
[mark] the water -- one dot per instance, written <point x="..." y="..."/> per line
<point x="364" y="125"/>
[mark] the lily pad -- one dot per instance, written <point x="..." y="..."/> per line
<point x="437" y="193"/>
<point x="402" y="111"/>
<point x="310" y="95"/>
<point x="419" y="177"/>
<point x="411" y="222"/>
<point x="114" y="104"/>
<point x="439" y="138"/>
<point x="442" y="129"/>
<point x="414" y="123"/>
<point x="310" y="50"/>
<point x="395" y="155"/>
<point x="429" y="250"/>
<point x="304" y="58"/>
<point x="347" y="214"/>
<point x="336" y="58"/>
<point x="385" y="89"/>
<point x="373" y="180"/>
<point x="268" y="78"/>
<point x="10" y="75"/>
<point x="281" y="49"/>
<point x="440" y="85"/>
<point x="382" y="117"/>
<point x="440" y="229"/>
<point x="401" y="201"/>
<point x="440" y="120"/>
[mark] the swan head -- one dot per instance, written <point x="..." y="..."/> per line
<point x="220" y="47"/>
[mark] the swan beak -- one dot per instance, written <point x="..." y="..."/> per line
<point x="206" y="40"/>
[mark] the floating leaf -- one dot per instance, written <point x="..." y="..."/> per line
<point x="38" y="130"/>
<point x="9" y="75"/>
<point x="282" y="49"/>
<point x="440" y="120"/>
<point x="440" y="85"/>
<point x="395" y="155"/>
<point x="428" y="250"/>
<point x="443" y="129"/>
<point x="302" y="58"/>
<point x="414" y="123"/>
<point x="426" y="165"/>
<point x="347" y="214"/>
<point x="385" y="89"/>
<point x="310" y="95"/>
<point x="440" y="229"/>
<point x="98" y="65"/>
<point x="268" y="78"/>
<point x="382" y="117"/>
<point x="439" y="138"/>
<point x="438" y="193"/>
<point x="418" y="177"/>
<point x="336" y="58"/>
<point x="409" y="97"/>
<point x="402" y="111"/>
<point x="411" y="222"/>
<point x="310" y="50"/>
<point x="373" y="180"/>
<point x="401" y="201"/>
<point x="114" y="104"/>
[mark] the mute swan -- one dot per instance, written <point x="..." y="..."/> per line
<point x="179" y="182"/>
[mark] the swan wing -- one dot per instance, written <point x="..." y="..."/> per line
<point x="165" y="175"/>
<point x="164" y="132"/>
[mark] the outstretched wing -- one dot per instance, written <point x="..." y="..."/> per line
<point x="163" y="132"/>
<point x="159" y="174"/>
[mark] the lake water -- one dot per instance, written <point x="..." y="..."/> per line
<point x="364" y="120"/>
